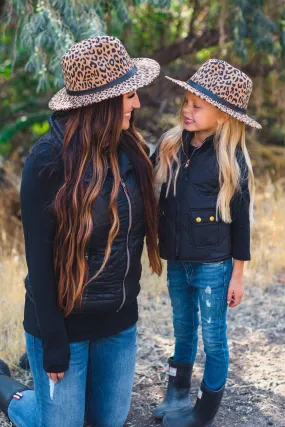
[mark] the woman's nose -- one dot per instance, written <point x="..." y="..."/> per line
<point x="136" y="101"/>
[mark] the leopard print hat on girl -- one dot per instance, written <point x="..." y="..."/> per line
<point x="100" y="68"/>
<point x="224" y="86"/>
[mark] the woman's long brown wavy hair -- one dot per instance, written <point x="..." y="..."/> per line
<point x="89" y="131"/>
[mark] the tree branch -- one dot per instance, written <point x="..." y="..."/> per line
<point x="2" y="5"/>
<point x="193" y="18"/>
<point x="186" y="46"/>
<point x="222" y="21"/>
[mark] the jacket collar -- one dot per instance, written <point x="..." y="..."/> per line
<point x="57" y="122"/>
<point x="187" y="136"/>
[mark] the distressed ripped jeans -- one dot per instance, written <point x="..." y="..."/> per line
<point x="96" y="387"/>
<point x="201" y="285"/>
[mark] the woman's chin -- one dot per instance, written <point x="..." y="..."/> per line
<point x="126" y="125"/>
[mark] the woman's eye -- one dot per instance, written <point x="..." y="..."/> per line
<point x="196" y="106"/>
<point x="131" y="96"/>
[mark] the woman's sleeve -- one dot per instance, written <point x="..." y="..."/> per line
<point x="38" y="189"/>
<point x="240" y="227"/>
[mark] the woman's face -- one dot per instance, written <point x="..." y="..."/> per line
<point x="130" y="102"/>
<point x="199" y="115"/>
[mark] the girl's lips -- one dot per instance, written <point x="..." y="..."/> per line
<point x="188" y="121"/>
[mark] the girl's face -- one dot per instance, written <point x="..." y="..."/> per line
<point x="200" y="116"/>
<point x="130" y="102"/>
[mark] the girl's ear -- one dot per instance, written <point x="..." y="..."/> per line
<point x="223" y="118"/>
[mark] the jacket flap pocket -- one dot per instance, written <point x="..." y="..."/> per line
<point x="203" y="216"/>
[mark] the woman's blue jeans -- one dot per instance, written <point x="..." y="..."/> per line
<point x="204" y="285"/>
<point x="97" y="386"/>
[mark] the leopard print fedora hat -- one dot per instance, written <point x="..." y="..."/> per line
<point x="100" y="68"/>
<point x="224" y="86"/>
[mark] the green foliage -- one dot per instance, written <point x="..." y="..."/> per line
<point x="46" y="29"/>
<point x="282" y="34"/>
<point x="250" y="22"/>
<point x="35" y="34"/>
<point x="33" y="120"/>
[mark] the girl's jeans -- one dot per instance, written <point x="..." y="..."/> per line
<point x="102" y="370"/>
<point x="204" y="285"/>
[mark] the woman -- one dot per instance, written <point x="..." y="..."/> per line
<point x="87" y="203"/>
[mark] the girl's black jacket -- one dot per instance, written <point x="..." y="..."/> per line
<point x="109" y="304"/>
<point x="188" y="229"/>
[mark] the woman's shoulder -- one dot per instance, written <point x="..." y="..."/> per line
<point x="46" y="151"/>
<point x="47" y="144"/>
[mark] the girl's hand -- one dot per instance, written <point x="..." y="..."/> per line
<point x="236" y="291"/>
<point x="55" y="377"/>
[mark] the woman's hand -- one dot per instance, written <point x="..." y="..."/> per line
<point x="55" y="377"/>
<point x="236" y="288"/>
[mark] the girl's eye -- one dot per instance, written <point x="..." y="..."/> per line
<point x="131" y="96"/>
<point x="196" y="106"/>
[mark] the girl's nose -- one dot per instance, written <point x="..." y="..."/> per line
<point x="187" y="109"/>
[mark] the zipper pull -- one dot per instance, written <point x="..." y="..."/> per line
<point x="187" y="164"/>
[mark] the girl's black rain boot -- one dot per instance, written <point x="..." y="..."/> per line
<point x="203" y="413"/>
<point x="177" y="395"/>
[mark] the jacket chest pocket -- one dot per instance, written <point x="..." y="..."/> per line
<point x="204" y="228"/>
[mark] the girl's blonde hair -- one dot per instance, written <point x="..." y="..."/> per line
<point x="228" y="137"/>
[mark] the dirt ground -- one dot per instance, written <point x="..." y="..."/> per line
<point x="255" y="394"/>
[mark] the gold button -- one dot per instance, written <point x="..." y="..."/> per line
<point x="212" y="218"/>
<point x="198" y="219"/>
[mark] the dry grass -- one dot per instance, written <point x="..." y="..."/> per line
<point x="12" y="272"/>
<point x="268" y="248"/>
<point x="268" y="231"/>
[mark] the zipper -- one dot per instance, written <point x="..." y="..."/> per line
<point x="177" y="237"/>
<point x="177" y="222"/>
<point x="127" y="241"/>
<point x="189" y="158"/>
<point x="188" y="162"/>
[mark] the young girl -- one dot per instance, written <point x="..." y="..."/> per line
<point x="206" y="203"/>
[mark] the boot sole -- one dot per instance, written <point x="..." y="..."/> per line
<point x="167" y="425"/>
<point x="171" y="411"/>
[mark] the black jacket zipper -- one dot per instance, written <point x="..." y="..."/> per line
<point x="177" y="222"/>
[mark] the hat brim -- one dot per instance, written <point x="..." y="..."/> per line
<point x="147" y="71"/>
<point x="239" y="116"/>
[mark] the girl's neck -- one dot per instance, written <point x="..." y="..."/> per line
<point x="199" y="138"/>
